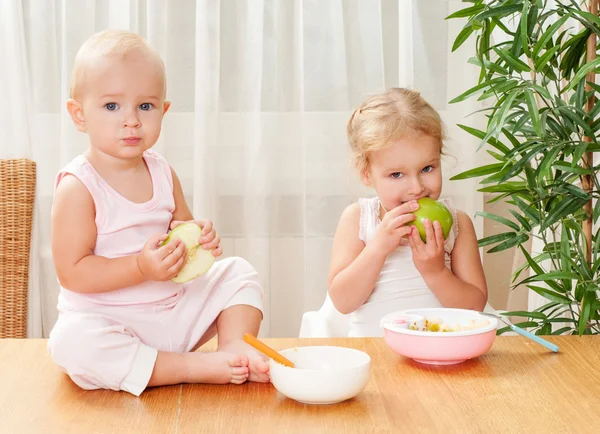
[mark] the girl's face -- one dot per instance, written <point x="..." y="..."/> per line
<point x="408" y="170"/>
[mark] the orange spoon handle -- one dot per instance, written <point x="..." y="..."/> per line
<point x="268" y="351"/>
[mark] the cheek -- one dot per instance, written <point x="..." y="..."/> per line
<point x="434" y="182"/>
<point x="152" y="122"/>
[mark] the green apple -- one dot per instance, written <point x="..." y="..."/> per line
<point x="198" y="260"/>
<point x="432" y="210"/>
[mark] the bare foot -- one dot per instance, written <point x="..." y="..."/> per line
<point x="259" y="367"/>
<point x="218" y="368"/>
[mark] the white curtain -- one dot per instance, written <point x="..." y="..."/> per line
<point x="261" y="91"/>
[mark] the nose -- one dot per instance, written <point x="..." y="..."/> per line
<point x="416" y="187"/>
<point x="131" y="119"/>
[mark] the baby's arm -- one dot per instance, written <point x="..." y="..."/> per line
<point x="464" y="286"/>
<point x="73" y="241"/>
<point x="182" y="212"/>
<point x="209" y="239"/>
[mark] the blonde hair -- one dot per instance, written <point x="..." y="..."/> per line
<point x="390" y="116"/>
<point x="109" y="43"/>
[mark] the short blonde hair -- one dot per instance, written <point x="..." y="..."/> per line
<point x="109" y="43"/>
<point x="390" y="116"/>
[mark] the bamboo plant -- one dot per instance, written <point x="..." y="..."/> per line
<point x="538" y="65"/>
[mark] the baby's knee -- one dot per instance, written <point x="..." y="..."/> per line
<point x="92" y="350"/>
<point x="68" y="341"/>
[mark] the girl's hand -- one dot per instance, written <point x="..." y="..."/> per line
<point x="209" y="239"/>
<point x="428" y="257"/>
<point x="158" y="262"/>
<point x="394" y="226"/>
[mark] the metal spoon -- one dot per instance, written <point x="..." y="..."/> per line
<point x="525" y="333"/>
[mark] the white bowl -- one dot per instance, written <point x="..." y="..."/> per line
<point x="323" y="374"/>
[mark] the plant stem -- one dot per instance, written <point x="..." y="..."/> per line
<point x="588" y="157"/>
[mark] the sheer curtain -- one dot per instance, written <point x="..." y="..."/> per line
<point x="261" y="91"/>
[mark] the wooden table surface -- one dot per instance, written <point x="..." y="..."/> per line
<point x="518" y="386"/>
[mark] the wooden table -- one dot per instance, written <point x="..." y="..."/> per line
<point x="517" y="387"/>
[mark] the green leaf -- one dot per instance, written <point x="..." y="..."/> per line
<point x="546" y="329"/>
<point x="575" y="191"/>
<point x="536" y="267"/>
<point x="526" y="209"/>
<point x="562" y="330"/>
<point x="581" y="73"/>
<point x="525" y="314"/>
<point x="502" y="220"/>
<point x="500" y="117"/>
<point x="567" y="167"/>
<point x="587" y="16"/>
<point x="481" y="134"/>
<point x="586" y="310"/>
<point x="522" y="163"/>
<point x="496" y="155"/>
<point x="534" y="114"/>
<point x="575" y="118"/>
<point x="549" y="294"/>
<point x="507" y="187"/>
<point x="511" y="138"/>
<point x="541" y="91"/>
<point x="478" y="171"/>
<point x="561" y="320"/>
<point x="503" y="330"/>
<point x="523" y="28"/>
<point x="554" y="275"/>
<point x="462" y="37"/>
<point x="476" y="89"/>
<point x="501" y="11"/>
<point x="565" y="254"/>
<point x="501" y="25"/>
<point x="498" y="89"/>
<point x="564" y="208"/>
<point x="496" y="238"/>
<point x="467" y="12"/>
<point x="520" y="239"/>
<point x="541" y="43"/>
<point x="546" y="162"/>
<point x="545" y="58"/>
<point x="512" y="61"/>
<point x="521" y="220"/>
<point x="580" y="97"/>
<point x="488" y="65"/>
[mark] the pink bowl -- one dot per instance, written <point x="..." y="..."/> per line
<point x="440" y="348"/>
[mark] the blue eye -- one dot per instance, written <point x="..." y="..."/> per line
<point x="396" y="175"/>
<point x="111" y="106"/>
<point x="145" y="106"/>
<point x="427" y="169"/>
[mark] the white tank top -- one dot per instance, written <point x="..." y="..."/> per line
<point x="399" y="285"/>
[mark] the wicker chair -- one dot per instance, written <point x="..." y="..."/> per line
<point x="17" y="192"/>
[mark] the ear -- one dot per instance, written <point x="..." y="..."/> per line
<point x="365" y="177"/>
<point x="76" y="111"/>
<point x="167" y="105"/>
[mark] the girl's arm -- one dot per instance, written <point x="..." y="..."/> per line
<point x="74" y="238"/>
<point x="355" y="267"/>
<point x="463" y="287"/>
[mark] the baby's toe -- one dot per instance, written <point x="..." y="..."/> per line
<point x="239" y="361"/>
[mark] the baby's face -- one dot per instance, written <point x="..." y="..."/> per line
<point x="408" y="170"/>
<point x="123" y="104"/>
